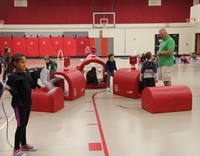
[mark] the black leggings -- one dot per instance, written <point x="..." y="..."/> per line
<point x="149" y="82"/>
<point x="22" y="116"/>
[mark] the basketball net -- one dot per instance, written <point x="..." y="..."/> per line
<point x="104" y="24"/>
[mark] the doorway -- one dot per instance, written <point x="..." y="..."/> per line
<point x="197" y="43"/>
<point x="158" y="40"/>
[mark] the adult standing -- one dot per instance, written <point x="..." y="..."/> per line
<point x="165" y="57"/>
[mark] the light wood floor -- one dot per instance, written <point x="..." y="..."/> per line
<point x="119" y="131"/>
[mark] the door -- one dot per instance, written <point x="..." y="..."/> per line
<point x="174" y="36"/>
<point x="197" y="43"/>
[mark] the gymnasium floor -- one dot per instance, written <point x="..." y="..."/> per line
<point x="113" y="125"/>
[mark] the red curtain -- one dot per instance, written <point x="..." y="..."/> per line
<point x="32" y="47"/>
<point x="82" y="42"/>
<point x="6" y="42"/>
<point x="45" y="46"/>
<point x="70" y="46"/>
<point x="19" y="45"/>
<point x="57" y="44"/>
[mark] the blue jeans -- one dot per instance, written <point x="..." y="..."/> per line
<point x="109" y="74"/>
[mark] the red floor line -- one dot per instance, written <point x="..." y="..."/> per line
<point x="105" y="149"/>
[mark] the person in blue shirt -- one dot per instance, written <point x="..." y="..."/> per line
<point x="110" y="69"/>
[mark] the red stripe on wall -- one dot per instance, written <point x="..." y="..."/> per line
<point x="45" y="46"/>
<point x="92" y="42"/>
<point x="6" y="42"/>
<point x="70" y="46"/>
<point x="32" y="47"/>
<point x="104" y="47"/>
<point x="57" y="45"/>
<point x="81" y="43"/>
<point x="19" y="45"/>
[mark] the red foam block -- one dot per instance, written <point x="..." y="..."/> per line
<point x="43" y="102"/>
<point x="167" y="99"/>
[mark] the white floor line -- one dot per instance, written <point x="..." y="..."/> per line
<point x="6" y="122"/>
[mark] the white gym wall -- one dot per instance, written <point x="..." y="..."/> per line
<point x="128" y="38"/>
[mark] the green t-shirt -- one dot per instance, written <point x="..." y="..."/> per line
<point x="166" y="44"/>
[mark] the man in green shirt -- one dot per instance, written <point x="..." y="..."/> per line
<point x="165" y="57"/>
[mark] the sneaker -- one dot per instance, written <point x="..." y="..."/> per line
<point x="18" y="153"/>
<point x="108" y="89"/>
<point x="28" y="147"/>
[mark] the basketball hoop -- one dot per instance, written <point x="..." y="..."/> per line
<point x="1" y="23"/>
<point x="103" y="22"/>
<point x="190" y="20"/>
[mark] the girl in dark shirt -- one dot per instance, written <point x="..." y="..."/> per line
<point x="19" y="84"/>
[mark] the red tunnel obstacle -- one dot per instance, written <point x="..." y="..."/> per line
<point x="126" y="83"/>
<point x="93" y="59"/>
<point x="76" y="82"/>
<point x="167" y="99"/>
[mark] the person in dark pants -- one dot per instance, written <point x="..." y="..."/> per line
<point x="148" y="72"/>
<point x="110" y="69"/>
<point x="35" y="75"/>
<point x="2" y="62"/>
<point x="92" y="76"/>
<point x="19" y="84"/>
<point x="6" y="57"/>
<point x="1" y="92"/>
<point x="44" y="75"/>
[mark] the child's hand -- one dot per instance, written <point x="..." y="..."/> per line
<point x="7" y="87"/>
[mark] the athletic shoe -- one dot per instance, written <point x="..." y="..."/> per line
<point x="108" y="89"/>
<point x="18" y="153"/>
<point x="28" y="147"/>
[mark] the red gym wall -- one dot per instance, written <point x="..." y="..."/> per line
<point x="42" y="46"/>
<point x="69" y="11"/>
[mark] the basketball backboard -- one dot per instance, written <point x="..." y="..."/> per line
<point x="103" y="19"/>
